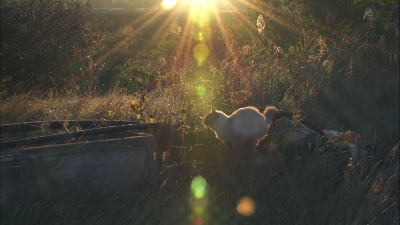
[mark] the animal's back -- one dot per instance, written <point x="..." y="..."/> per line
<point x="248" y="122"/>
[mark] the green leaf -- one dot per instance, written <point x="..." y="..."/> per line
<point x="111" y="113"/>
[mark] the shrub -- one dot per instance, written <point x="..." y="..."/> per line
<point x="40" y="39"/>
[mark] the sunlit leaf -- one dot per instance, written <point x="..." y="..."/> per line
<point x="133" y="105"/>
<point x="111" y="113"/>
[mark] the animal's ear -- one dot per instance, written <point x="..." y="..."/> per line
<point x="213" y="116"/>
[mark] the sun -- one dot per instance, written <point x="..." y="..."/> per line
<point x="199" y="16"/>
<point x="169" y="4"/>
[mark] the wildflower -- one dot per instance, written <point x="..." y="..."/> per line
<point x="162" y="61"/>
<point x="133" y="105"/>
<point x="175" y="29"/>
<point x="326" y="63"/>
<point x="246" y="49"/>
<point x="350" y="162"/>
<point x="321" y="41"/>
<point x="278" y="49"/>
<point x="260" y="24"/>
<point x="369" y="14"/>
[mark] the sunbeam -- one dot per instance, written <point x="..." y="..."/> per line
<point x="169" y="4"/>
<point x="154" y="14"/>
<point x="196" y="35"/>
<point x="174" y="15"/>
<point x="200" y="12"/>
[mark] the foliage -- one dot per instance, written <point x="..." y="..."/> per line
<point x="40" y="41"/>
<point x="327" y="59"/>
<point x="338" y="71"/>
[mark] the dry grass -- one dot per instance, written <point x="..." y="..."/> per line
<point x="307" y="194"/>
<point x="339" y="80"/>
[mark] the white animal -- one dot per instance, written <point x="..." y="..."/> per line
<point x="244" y="126"/>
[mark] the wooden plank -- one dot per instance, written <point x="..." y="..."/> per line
<point x="81" y="133"/>
<point x="99" y="165"/>
<point x="33" y="126"/>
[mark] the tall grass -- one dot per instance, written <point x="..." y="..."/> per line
<point x="308" y="194"/>
<point x="340" y="78"/>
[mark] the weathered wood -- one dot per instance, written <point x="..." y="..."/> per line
<point x="111" y="164"/>
<point x="66" y="136"/>
<point x="33" y="126"/>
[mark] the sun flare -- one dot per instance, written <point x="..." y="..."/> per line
<point x="200" y="12"/>
<point x="169" y="4"/>
<point x="200" y="27"/>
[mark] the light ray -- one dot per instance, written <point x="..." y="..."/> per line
<point x="199" y="12"/>
<point x="185" y="41"/>
<point x="156" y="13"/>
<point x="174" y="15"/>
<point x="169" y="4"/>
<point x="145" y="16"/>
<point x="196" y="33"/>
<point x="151" y="19"/>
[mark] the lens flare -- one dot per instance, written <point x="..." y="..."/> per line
<point x="168" y="4"/>
<point x="202" y="34"/>
<point x="200" y="12"/>
<point x="201" y="52"/>
<point x="127" y="30"/>
<point x="198" y="201"/>
<point x="201" y="90"/>
<point x="198" y="187"/>
<point x="246" y="206"/>
<point x="201" y="37"/>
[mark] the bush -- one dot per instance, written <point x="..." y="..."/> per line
<point x="40" y="39"/>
